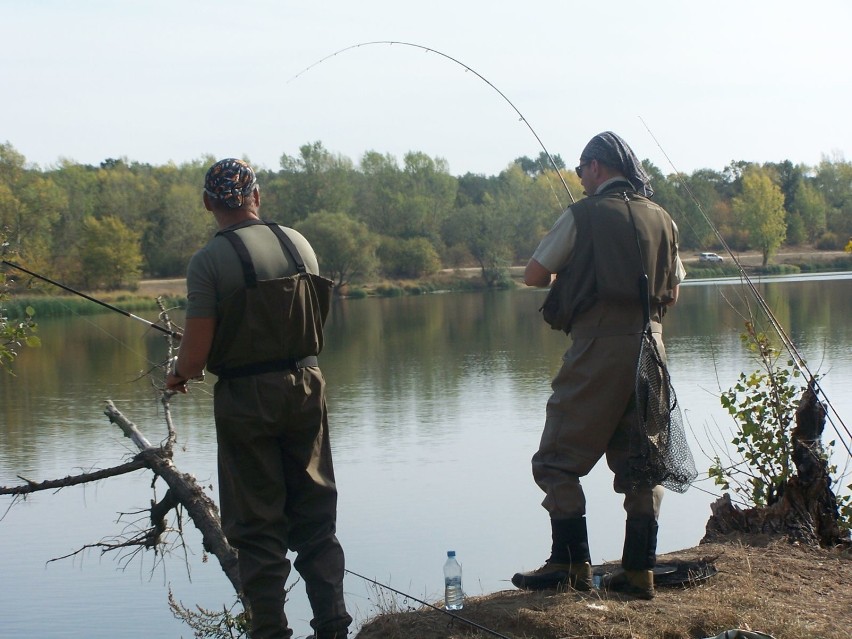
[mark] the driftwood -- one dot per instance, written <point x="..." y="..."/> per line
<point x="806" y="509"/>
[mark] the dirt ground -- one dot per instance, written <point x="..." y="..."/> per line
<point x="769" y="586"/>
<point x="177" y="286"/>
<point x="784" y="256"/>
<point x="166" y="288"/>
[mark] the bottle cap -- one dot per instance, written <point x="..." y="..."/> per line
<point x="451" y="553"/>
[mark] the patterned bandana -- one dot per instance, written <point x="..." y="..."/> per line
<point x="230" y="181"/>
<point x="611" y="150"/>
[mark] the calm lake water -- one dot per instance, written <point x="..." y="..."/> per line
<point x="437" y="404"/>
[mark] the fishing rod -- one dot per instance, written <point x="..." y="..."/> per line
<point x="467" y="68"/>
<point x="95" y="300"/>
<point x="425" y="603"/>
<point x="776" y="325"/>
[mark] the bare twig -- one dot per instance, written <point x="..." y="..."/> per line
<point x="72" y="480"/>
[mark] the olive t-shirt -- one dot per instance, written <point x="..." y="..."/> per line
<point x="215" y="272"/>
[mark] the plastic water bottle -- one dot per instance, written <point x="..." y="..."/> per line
<point x="453" y="595"/>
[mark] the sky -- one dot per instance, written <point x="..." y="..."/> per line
<point x="689" y="85"/>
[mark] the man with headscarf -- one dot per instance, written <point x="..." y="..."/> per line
<point x="256" y="322"/>
<point x="594" y="248"/>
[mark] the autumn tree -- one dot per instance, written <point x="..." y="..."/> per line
<point x="110" y="257"/>
<point x="760" y="206"/>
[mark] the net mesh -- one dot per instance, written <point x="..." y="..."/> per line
<point x="659" y="452"/>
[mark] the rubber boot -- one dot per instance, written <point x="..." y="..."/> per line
<point x="638" y="560"/>
<point x="569" y="563"/>
<point x="268" y="620"/>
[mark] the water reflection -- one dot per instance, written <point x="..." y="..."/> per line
<point x="437" y="404"/>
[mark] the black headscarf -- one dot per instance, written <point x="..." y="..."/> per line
<point x="611" y="150"/>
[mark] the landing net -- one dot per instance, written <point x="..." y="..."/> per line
<point x="659" y="452"/>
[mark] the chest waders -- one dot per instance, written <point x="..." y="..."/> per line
<point x="270" y="325"/>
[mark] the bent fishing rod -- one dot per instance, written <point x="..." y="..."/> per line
<point x="95" y="300"/>
<point x="466" y="68"/>
<point x="776" y="325"/>
<point x="425" y="603"/>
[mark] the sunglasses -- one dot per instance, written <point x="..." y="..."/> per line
<point x="579" y="168"/>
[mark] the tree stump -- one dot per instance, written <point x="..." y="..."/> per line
<point x="806" y="509"/>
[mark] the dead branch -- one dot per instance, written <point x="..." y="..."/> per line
<point x="186" y="492"/>
<point x="127" y="427"/>
<point x="72" y="480"/>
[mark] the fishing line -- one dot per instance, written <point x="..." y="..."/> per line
<point x="797" y="358"/>
<point x="425" y="603"/>
<point x="467" y="68"/>
<point x="93" y="299"/>
<point x="102" y="303"/>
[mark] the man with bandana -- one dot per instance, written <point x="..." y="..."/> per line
<point x="594" y="248"/>
<point x="256" y="306"/>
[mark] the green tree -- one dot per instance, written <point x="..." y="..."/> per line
<point x="320" y="181"/>
<point x="129" y="192"/>
<point x="486" y="234"/>
<point x="111" y="256"/>
<point x="406" y="202"/>
<point x="810" y="206"/>
<point x="380" y="198"/>
<point x="29" y="206"/>
<point x="345" y="247"/>
<point x="80" y="185"/>
<point x="430" y="192"/>
<point x="408" y="258"/>
<point x="541" y="164"/>
<point x="176" y="231"/>
<point x="688" y="198"/>
<point x="761" y="208"/>
<point x="528" y="207"/>
<point x="834" y="181"/>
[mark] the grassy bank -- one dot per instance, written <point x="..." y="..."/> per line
<point x="173" y="291"/>
<point x="785" y="590"/>
<point x="44" y="306"/>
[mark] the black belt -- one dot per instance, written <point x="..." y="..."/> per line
<point x="291" y="364"/>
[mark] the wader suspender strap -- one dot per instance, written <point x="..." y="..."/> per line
<point x="250" y="277"/>
<point x="287" y="246"/>
<point x="644" y="295"/>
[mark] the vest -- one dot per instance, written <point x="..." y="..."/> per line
<point x="269" y="324"/>
<point x="606" y="265"/>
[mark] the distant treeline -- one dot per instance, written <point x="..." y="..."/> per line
<point x="107" y="226"/>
